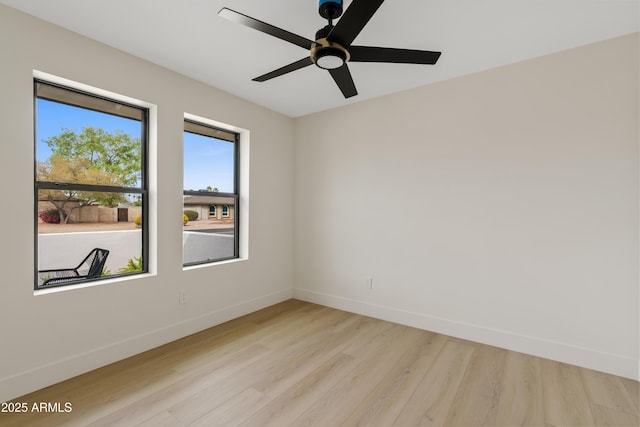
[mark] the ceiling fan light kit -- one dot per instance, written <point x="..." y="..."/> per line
<point x="332" y="48"/>
<point x="326" y="54"/>
<point x="329" y="58"/>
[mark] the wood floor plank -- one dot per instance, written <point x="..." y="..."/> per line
<point x="565" y="401"/>
<point x="114" y="397"/>
<point x="431" y="401"/>
<point x="289" y="405"/>
<point x="279" y="311"/>
<point x="476" y="402"/>
<point x="299" y="327"/>
<point x="607" y="417"/>
<point x="633" y="388"/>
<point x="247" y="333"/>
<point x="185" y="389"/>
<point x="104" y="399"/>
<point x="384" y="402"/>
<point x="233" y="411"/>
<point x="336" y="405"/>
<point x="375" y="330"/>
<point x="163" y="419"/>
<point x="212" y="388"/>
<point x="608" y="391"/>
<point x="521" y="400"/>
<point x="270" y="372"/>
<point x="288" y="371"/>
<point x="297" y="363"/>
<point x="312" y="351"/>
<point x="144" y="374"/>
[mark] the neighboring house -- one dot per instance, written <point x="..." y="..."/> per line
<point x="211" y="207"/>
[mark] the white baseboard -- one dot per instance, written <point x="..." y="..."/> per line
<point x="573" y="355"/>
<point x="59" y="370"/>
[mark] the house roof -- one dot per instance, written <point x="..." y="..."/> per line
<point x="208" y="200"/>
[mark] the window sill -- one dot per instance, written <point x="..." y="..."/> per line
<point x="213" y="264"/>
<point x="91" y="284"/>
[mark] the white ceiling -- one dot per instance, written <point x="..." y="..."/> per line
<point x="188" y="37"/>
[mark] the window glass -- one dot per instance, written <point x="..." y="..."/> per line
<point x="90" y="187"/>
<point x="210" y="188"/>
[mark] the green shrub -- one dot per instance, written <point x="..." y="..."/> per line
<point x="133" y="265"/>
<point x="185" y="219"/>
<point x="138" y="221"/>
<point x="192" y="215"/>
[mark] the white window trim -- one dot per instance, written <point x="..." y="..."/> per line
<point x="152" y="170"/>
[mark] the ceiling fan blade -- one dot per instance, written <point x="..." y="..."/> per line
<point x="343" y="79"/>
<point x="353" y="21"/>
<point x="284" y="70"/>
<point x="387" y="54"/>
<point x="256" y="24"/>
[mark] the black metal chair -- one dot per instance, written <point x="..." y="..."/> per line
<point x="90" y="267"/>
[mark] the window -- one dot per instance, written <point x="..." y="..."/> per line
<point x="90" y="187"/>
<point x="210" y="181"/>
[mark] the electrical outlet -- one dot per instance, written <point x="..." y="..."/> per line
<point x="369" y="282"/>
<point x="182" y="296"/>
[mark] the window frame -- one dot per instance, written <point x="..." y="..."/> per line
<point x="236" y="186"/>
<point x="143" y="190"/>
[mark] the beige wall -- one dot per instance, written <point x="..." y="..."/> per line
<point x="133" y="212"/>
<point x="57" y="334"/>
<point x="516" y="207"/>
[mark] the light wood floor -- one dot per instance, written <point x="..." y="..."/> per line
<point x="302" y="364"/>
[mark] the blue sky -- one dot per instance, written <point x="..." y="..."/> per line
<point x="207" y="161"/>
<point x="53" y="117"/>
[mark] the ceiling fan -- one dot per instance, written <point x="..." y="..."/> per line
<point x="332" y="47"/>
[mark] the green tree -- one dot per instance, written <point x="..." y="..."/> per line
<point x="116" y="153"/>
<point x="91" y="156"/>
<point x="77" y="170"/>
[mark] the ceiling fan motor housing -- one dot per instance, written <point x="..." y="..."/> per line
<point x="330" y="9"/>
<point x="325" y="54"/>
